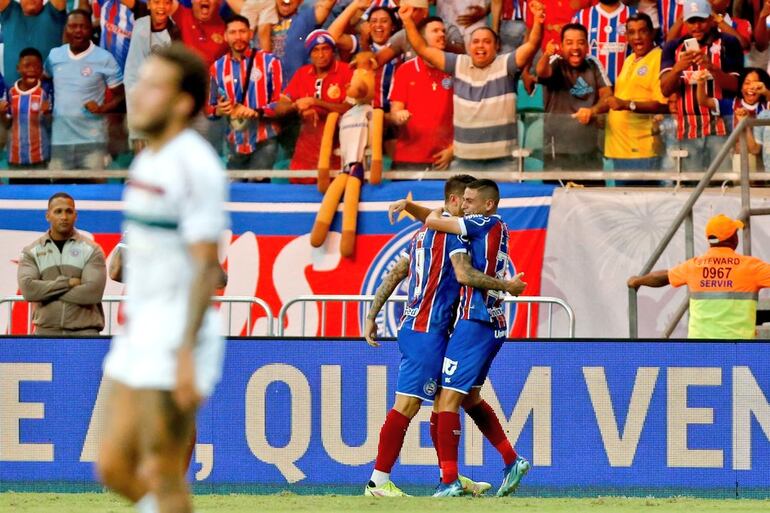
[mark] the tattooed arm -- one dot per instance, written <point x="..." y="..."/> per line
<point x="468" y="275"/>
<point x="386" y="288"/>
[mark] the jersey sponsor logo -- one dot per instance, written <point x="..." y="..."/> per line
<point x="450" y="366"/>
<point x="381" y="264"/>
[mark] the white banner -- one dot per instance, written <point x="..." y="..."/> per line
<point x="598" y="238"/>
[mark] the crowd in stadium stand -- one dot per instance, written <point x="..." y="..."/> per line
<point x="612" y="85"/>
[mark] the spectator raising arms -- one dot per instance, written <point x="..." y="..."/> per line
<point x="484" y="91"/>
<point x="81" y="73"/>
<point x="421" y="106"/>
<point x="382" y="23"/>
<point x="30" y="23"/>
<point x="294" y="25"/>
<point x="150" y="33"/>
<point x="574" y="84"/>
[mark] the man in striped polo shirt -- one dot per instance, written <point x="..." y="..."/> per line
<point x="484" y="91"/>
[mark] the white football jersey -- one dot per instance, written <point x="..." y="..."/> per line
<point x="174" y="197"/>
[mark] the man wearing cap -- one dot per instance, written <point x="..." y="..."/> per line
<point x="700" y="131"/>
<point x="723" y="284"/>
<point x="315" y="90"/>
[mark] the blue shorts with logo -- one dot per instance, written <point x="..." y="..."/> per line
<point x="420" y="369"/>
<point x="469" y="354"/>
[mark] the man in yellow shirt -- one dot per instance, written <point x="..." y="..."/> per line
<point x="628" y="136"/>
<point x="723" y="284"/>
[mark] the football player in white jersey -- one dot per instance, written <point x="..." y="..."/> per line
<point x="171" y="355"/>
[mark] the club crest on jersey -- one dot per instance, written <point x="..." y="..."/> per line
<point x="333" y="91"/>
<point x="430" y="387"/>
<point x="642" y="71"/>
<point x="86" y="71"/>
<point x="446" y="83"/>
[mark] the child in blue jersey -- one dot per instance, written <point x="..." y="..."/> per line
<point x="436" y="266"/>
<point x="478" y="336"/>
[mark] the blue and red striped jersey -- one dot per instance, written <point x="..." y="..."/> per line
<point x="29" y="141"/>
<point x="384" y="80"/>
<point x="432" y="286"/>
<point x="487" y="239"/>
<point x="694" y="120"/>
<point x="228" y="75"/>
<point x="606" y="35"/>
<point x="668" y="12"/>
<point x="117" y="23"/>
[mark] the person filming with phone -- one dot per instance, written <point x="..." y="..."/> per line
<point x="704" y="51"/>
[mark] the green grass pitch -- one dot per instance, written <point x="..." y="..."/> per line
<point x="107" y="503"/>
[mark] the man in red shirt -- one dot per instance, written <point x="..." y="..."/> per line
<point x="202" y="29"/>
<point x="421" y="106"/>
<point x="315" y="90"/>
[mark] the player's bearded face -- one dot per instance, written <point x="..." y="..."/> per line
<point x="153" y="97"/>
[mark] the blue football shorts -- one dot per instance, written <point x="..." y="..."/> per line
<point x="469" y="355"/>
<point x="420" y="369"/>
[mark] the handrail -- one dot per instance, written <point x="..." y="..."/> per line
<point x="512" y="175"/>
<point x="111" y="300"/>
<point x="365" y="300"/>
<point x="685" y="215"/>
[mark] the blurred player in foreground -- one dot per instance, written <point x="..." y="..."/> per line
<point x="436" y="266"/>
<point x="171" y="355"/>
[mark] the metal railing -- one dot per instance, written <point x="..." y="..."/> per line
<point x="685" y="215"/>
<point x="109" y="302"/>
<point x="515" y="174"/>
<point x="364" y="303"/>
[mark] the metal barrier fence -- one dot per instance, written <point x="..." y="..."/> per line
<point x="359" y="301"/>
<point x="366" y="300"/>
<point x="109" y="302"/>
